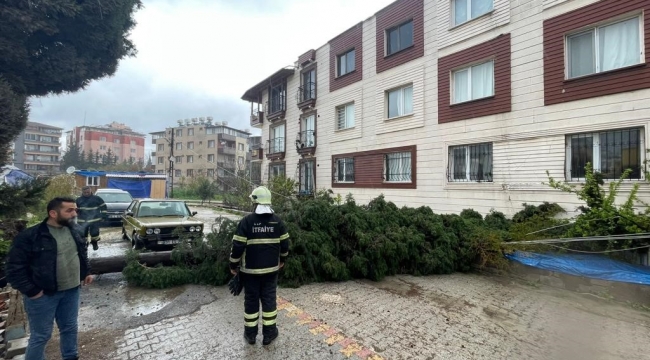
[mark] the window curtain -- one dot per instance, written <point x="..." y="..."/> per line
<point x="480" y="162"/>
<point x="349" y="116"/>
<point x="458" y="163"/>
<point x="461" y="86"/>
<point x="581" y="54"/>
<point x="619" y="44"/>
<point x="349" y="61"/>
<point x="399" y="166"/>
<point x="308" y="131"/>
<point x="483" y="80"/>
<point x="394" y="103"/>
<point x="408" y="100"/>
<point x="460" y="11"/>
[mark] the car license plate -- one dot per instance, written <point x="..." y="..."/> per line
<point x="168" y="242"/>
<point x="115" y="216"/>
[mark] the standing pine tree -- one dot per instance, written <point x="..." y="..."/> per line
<point x="72" y="157"/>
<point x="90" y="159"/>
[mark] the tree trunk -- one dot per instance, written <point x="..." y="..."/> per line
<point x="113" y="264"/>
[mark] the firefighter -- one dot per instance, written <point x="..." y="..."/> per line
<point x="259" y="249"/>
<point x="92" y="210"/>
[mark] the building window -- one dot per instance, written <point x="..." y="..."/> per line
<point x="132" y="151"/>
<point x="178" y="159"/>
<point x="210" y="173"/>
<point x="610" y="153"/>
<point x="179" y="146"/>
<point x="470" y="163"/>
<point x="211" y="158"/>
<point x="277" y="98"/>
<point x="240" y="146"/>
<point x="132" y="142"/>
<point x="466" y="10"/>
<point x="345" y="63"/>
<point x="276" y="143"/>
<point x="308" y="133"/>
<point x="276" y="170"/>
<point x="307" y="179"/>
<point x="190" y="132"/>
<point x="210" y="143"/>
<point x="603" y="48"/>
<point x="190" y="145"/>
<point x="102" y="147"/>
<point x="473" y="82"/>
<point x="161" y="147"/>
<point x="161" y="171"/>
<point x="92" y="180"/>
<point x="117" y="141"/>
<point x="345" y="116"/>
<point x="399" y="38"/>
<point x="400" y="101"/>
<point x="190" y="159"/>
<point x="179" y="133"/>
<point x="397" y="167"/>
<point x="161" y="160"/>
<point x="102" y="138"/>
<point x="190" y="172"/>
<point x="344" y="170"/>
<point x="178" y="173"/>
<point x="308" y="86"/>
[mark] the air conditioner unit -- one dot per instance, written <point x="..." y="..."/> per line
<point x="187" y="122"/>
<point x="210" y="118"/>
<point x="180" y="122"/>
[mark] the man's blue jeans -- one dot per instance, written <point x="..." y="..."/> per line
<point x="41" y="313"/>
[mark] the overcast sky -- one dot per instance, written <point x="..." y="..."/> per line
<point x="198" y="57"/>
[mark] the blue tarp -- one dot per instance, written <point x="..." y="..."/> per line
<point x="591" y="266"/>
<point x="138" y="188"/>
<point x="90" y="173"/>
<point x="13" y="175"/>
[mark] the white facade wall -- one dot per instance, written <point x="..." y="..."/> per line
<point x="527" y="142"/>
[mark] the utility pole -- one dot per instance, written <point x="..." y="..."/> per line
<point x="171" y="162"/>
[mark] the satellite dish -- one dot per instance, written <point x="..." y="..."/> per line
<point x="70" y="170"/>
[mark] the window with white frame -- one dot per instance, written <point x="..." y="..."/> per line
<point x="400" y="101"/>
<point x="161" y="160"/>
<point x="399" y="37"/>
<point x="611" y="153"/>
<point x="606" y="47"/>
<point x="190" y="132"/>
<point x="473" y="82"/>
<point x="190" y="159"/>
<point x="179" y="133"/>
<point x="276" y="143"/>
<point x="345" y="63"/>
<point x="466" y="10"/>
<point x="307" y="178"/>
<point x="240" y="147"/>
<point x="211" y="158"/>
<point x="308" y="131"/>
<point x="179" y="159"/>
<point x="397" y="167"/>
<point x="161" y="147"/>
<point x="345" y="116"/>
<point x="190" y="145"/>
<point x="179" y="146"/>
<point x="92" y="180"/>
<point x="472" y="163"/>
<point x="344" y="170"/>
<point x="210" y="143"/>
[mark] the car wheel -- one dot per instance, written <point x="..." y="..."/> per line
<point x="136" y="243"/>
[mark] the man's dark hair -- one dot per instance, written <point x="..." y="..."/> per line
<point x="57" y="203"/>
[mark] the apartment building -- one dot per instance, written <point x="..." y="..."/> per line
<point x="256" y="154"/>
<point x="199" y="147"/>
<point x="37" y="149"/>
<point x="123" y="142"/>
<point x="465" y="103"/>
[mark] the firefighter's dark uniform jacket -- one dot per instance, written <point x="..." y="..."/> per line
<point x="31" y="263"/>
<point x="91" y="209"/>
<point x="260" y="244"/>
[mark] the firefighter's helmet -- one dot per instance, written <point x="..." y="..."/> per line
<point x="261" y="195"/>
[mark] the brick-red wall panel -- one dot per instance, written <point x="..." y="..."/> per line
<point x="501" y="102"/>
<point x="393" y="15"/>
<point x="369" y="168"/>
<point x="556" y="88"/>
<point x="352" y="38"/>
<point x="309" y="55"/>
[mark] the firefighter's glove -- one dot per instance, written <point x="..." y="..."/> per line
<point x="235" y="285"/>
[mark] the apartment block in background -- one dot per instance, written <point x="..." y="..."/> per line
<point x="201" y="148"/>
<point x="37" y="150"/>
<point x="119" y="138"/>
<point x="464" y="103"/>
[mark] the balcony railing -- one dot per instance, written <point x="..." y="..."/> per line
<point x="257" y="118"/>
<point x="306" y="95"/>
<point x="276" y="107"/>
<point x="275" y="148"/>
<point x="306" y="141"/>
<point x="227" y="150"/>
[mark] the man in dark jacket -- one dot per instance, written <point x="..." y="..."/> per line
<point x="92" y="210"/>
<point x="261" y="245"/>
<point x="47" y="263"/>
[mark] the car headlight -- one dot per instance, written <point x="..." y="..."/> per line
<point x="149" y="231"/>
<point x="156" y="231"/>
<point x="198" y="228"/>
<point x="192" y="229"/>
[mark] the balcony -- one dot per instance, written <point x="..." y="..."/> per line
<point x="226" y="150"/>
<point x="229" y="166"/>
<point x="276" y="107"/>
<point x="306" y="96"/>
<point x="226" y="137"/>
<point x="257" y="154"/>
<point x="275" y="149"/>
<point x="257" y="118"/>
<point x="306" y="142"/>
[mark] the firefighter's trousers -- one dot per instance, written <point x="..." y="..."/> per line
<point x="260" y="288"/>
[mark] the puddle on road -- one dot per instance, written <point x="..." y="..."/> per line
<point x="140" y="302"/>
